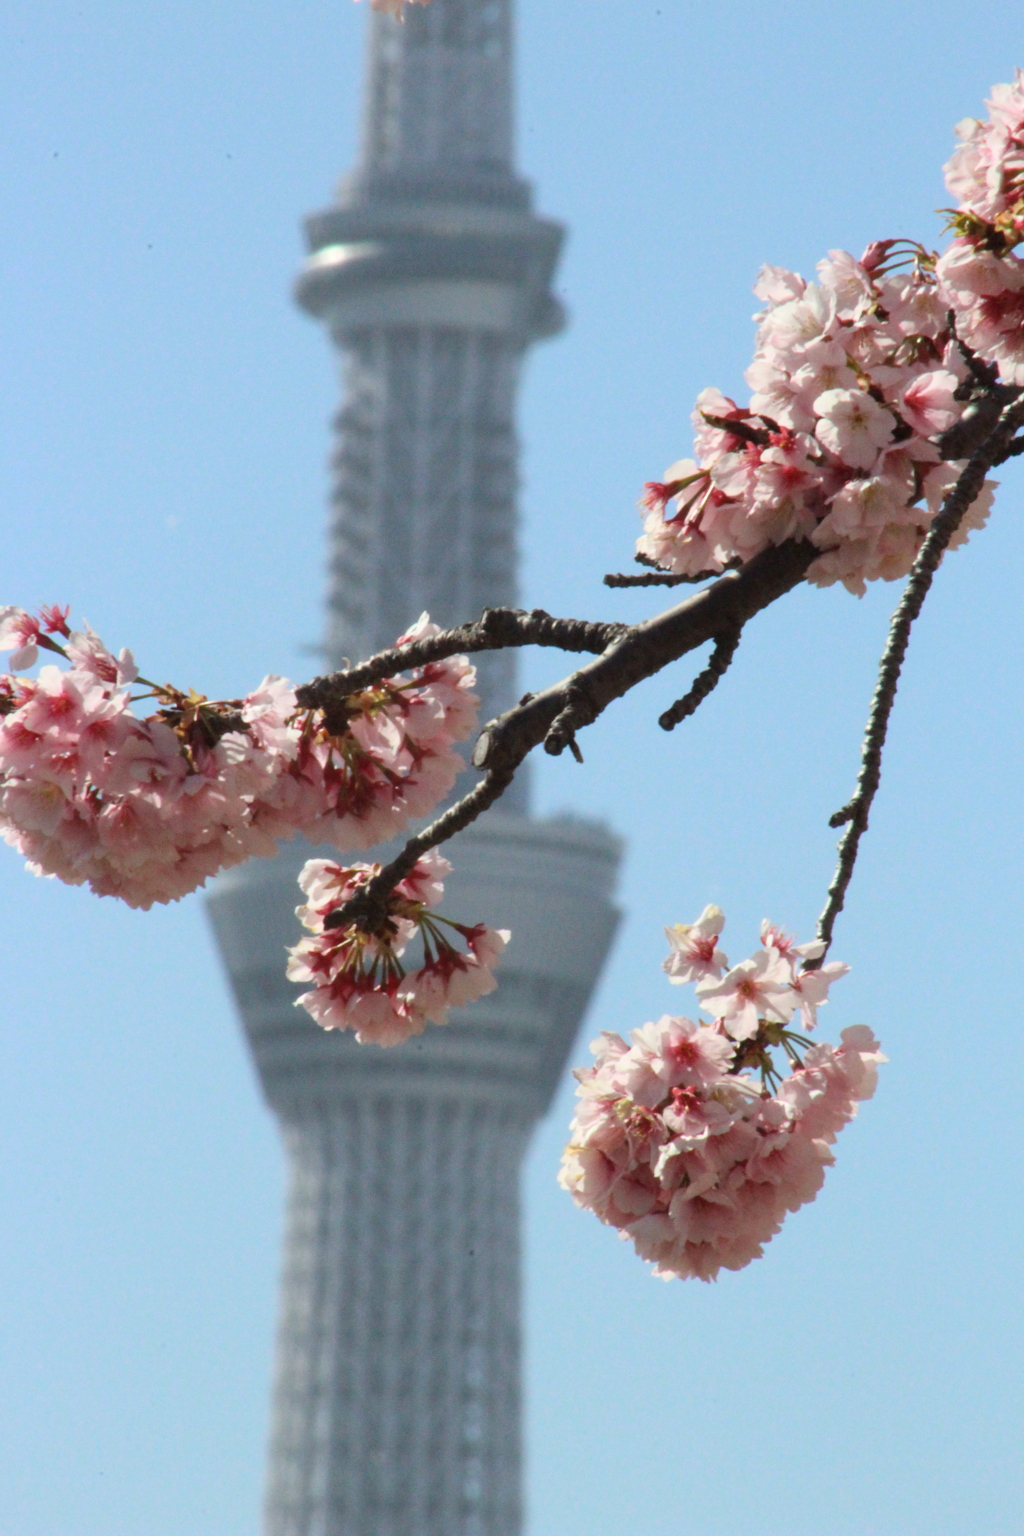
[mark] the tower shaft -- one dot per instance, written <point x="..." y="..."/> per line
<point x="398" y="1355"/>
<point x="396" y="1404"/>
<point x="424" y="489"/>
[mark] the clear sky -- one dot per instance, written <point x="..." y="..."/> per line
<point x="163" y="438"/>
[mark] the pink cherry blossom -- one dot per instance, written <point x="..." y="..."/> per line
<point x="980" y="275"/>
<point x="986" y="175"/>
<point x="760" y="986"/>
<point x="671" y="1053"/>
<point x="812" y="987"/>
<point x="19" y="633"/>
<point x="845" y="369"/>
<point x="693" y="1161"/>
<point x="694" y="948"/>
<point x="853" y="426"/>
<point x="927" y="403"/>
<point x="87" y="653"/>
<point x="773" y="937"/>
<point x="147" y="809"/>
<point x="359" y="980"/>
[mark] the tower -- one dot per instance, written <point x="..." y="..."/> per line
<point x="396" y="1400"/>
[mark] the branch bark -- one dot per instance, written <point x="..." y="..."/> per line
<point x="629" y="655"/>
<point x="855" y="813"/>
<point x="625" y="655"/>
<point x="496" y="629"/>
<point x="704" y="683"/>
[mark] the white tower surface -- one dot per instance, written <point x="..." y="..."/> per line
<point x="396" y="1404"/>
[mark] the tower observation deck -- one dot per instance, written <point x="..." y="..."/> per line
<point x="396" y="1408"/>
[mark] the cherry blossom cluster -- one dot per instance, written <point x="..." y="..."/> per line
<point x="853" y="379"/>
<point x="147" y="808"/>
<point x="358" y="979"/>
<point x="981" y="278"/>
<point x="690" y="1141"/>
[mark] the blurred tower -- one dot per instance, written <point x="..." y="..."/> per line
<point x="396" y="1404"/>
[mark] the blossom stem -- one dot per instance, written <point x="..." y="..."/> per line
<point x="854" y="815"/>
<point x="705" y="682"/>
<point x="656" y="579"/>
<point x="367" y="909"/>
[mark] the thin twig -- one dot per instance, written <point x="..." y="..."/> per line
<point x="985" y="374"/>
<point x="368" y="908"/>
<point x="644" y="649"/>
<point x="580" y="709"/>
<point x="704" y="682"/>
<point x="637" y="652"/>
<point x="857" y="810"/>
<point x="653" y="579"/>
<point x="496" y="629"/>
<point x="1010" y="453"/>
<point x="666" y="578"/>
<point x="740" y="428"/>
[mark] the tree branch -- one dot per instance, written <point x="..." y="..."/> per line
<point x="666" y="578"/>
<point x="954" y="508"/>
<point x="496" y="629"/>
<point x="644" y="649"/>
<point x="625" y="655"/>
<point x="1011" y="452"/>
<point x="553" y="716"/>
<point x="705" y="682"/>
<point x="368" y="908"/>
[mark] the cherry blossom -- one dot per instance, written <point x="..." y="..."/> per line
<point x="673" y="1052"/>
<point x="812" y="987"/>
<point x="986" y="174"/>
<point x="854" y="379"/>
<point x="928" y="404"/>
<point x="987" y="294"/>
<point x="855" y="427"/>
<point x="694" y="952"/>
<point x="758" y="986"/>
<point x="148" y="808"/>
<point x="980" y="276"/>
<point x="692" y="1157"/>
<point x="358" y="979"/>
<point x="19" y="634"/>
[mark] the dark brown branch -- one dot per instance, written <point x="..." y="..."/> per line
<point x="740" y="428"/>
<point x="653" y="579"/>
<point x="368" y="909"/>
<point x="553" y="716"/>
<point x="986" y="399"/>
<point x="1010" y="453"/>
<point x="496" y="629"/>
<point x="856" y="812"/>
<point x="705" y="682"/>
<point x="666" y="578"/>
<point x="580" y="709"/>
<point x="644" y="649"/>
<point x="975" y="427"/>
<point x="984" y="374"/>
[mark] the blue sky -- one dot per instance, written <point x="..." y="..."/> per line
<point x="163" y="441"/>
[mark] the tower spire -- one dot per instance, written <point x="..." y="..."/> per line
<point x="438" y="106"/>
<point x="433" y="275"/>
<point x="396" y="1400"/>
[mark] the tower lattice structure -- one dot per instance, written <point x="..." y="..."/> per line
<point x="396" y="1405"/>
